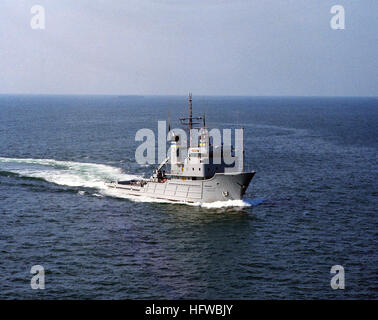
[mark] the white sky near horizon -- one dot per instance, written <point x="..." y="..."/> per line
<point x="208" y="47"/>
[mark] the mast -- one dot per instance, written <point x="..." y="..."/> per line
<point x="242" y="154"/>
<point x="190" y="120"/>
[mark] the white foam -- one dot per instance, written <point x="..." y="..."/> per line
<point x="68" y="173"/>
<point x="226" y="204"/>
<point x="245" y="203"/>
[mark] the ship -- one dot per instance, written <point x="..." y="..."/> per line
<point x="196" y="177"/>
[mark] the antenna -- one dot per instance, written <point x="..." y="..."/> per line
<point x="169" y="120"/>
<point x="190" y="120"/>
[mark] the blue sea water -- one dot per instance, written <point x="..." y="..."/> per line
<point x="311" y="205"/>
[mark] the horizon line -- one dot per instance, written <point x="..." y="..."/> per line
<point x="180" y="95"/>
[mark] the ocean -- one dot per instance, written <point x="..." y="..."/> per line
<point x="311" y="205"/>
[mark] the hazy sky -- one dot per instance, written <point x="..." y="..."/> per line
<point x="210" y="47"/>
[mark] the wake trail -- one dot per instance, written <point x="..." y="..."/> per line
<point x="66" y="173"/>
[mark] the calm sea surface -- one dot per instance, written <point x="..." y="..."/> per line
<point x="311" y="205"/>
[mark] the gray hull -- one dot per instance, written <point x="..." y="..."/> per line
<point x="221" y="187"/>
